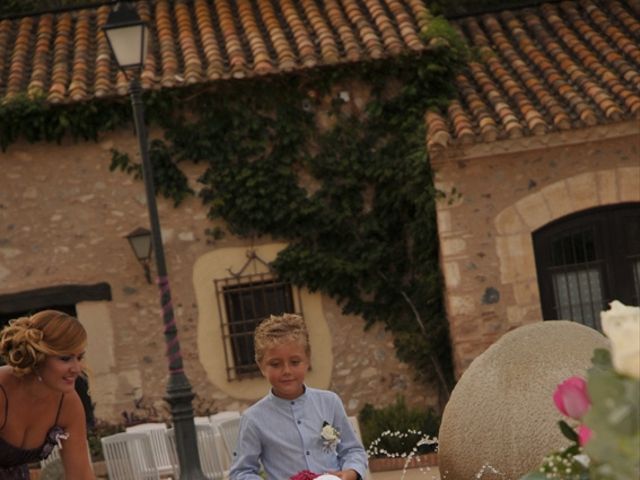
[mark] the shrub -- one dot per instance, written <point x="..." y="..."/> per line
<point x="397" y="429"/>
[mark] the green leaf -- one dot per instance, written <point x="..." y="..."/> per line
<point x="567" y="431"/>
<point x="602" y="359"/>
<point x="535" y="476"/>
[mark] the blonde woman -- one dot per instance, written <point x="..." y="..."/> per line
<point x="39" y="407"/>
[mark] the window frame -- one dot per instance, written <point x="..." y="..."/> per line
<point x="235" y="369"/>
<point x="613" y="251"/>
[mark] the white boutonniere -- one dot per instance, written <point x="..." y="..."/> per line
<point x="330" y="436"/>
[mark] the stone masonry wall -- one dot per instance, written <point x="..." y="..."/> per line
<point x="506" y="193"/>
<point x="63" y="218"/>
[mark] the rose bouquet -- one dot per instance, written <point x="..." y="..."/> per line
<point x="305" y="475"/>
<point x="603" y="411"/>
<point x="308" y="475"/>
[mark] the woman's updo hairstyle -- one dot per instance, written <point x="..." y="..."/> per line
<point x="278" y="329"/>
<point x="26" y="341"/>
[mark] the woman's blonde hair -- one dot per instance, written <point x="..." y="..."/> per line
<point x="279" y="329"/>
<point x="26" y="341"/>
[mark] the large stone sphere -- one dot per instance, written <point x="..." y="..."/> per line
<point x="501" y="416"/>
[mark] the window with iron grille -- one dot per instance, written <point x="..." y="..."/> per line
<point x="244" y="302"/>
<point x="588" y="259"/>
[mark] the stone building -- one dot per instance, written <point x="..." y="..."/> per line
<point x="65" y="215"/>
<point x="539" y="148"/>
<point x="541" y="152"/>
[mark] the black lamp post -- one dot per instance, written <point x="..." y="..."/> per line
<point x="128" y="35"/>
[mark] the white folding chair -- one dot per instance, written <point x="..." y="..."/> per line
<point x="128" y="456"/>
<point x="159" y="446"/>
<point x="216" y="418"/>
<point x="210" y="461"/>
<point x="55" y="456"/>
<point x="356" y="428"/>
<point x="202" y="420"/>
<point x="207" y="447"/>
<point x="229" y="429"/>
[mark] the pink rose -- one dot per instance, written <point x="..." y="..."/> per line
<point x="571" y="398"/>
<point x="584" y="434"/>
<point x="304" y="475"/>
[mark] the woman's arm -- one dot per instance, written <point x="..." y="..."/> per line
<point x="75" y="450"/>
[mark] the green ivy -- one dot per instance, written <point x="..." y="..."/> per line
<point x="168" y="179"/>
<point x="36" y="120"/>
<point x="360" y="222"/>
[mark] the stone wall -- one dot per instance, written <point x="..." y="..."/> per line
<point x="63" y="218"/>
<point x="506" y="191"/>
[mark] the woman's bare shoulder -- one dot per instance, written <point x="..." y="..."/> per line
<point x="7" y="378"/>
<point x="71" y="408"/>
<point x="5" y="381"/>
<point x="5" y="371"/>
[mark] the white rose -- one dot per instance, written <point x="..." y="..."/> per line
<point x="622" y="325"/>
<point x="329" y="433"/>
<point x="582" y="459"/>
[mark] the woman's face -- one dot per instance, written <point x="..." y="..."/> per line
<point x="59" y="372"/>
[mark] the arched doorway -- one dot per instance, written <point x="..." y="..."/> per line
<point x="586" y="260"/>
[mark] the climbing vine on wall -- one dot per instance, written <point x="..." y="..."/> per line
<point x="353" y="199"/>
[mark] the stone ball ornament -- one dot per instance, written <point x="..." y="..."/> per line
<point x="500" y="420"/>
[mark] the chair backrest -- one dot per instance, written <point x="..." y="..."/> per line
<point x="173" y="452"/>
<point x="229" y="429"/>
<point x="356" y="428"/>
<point x="208" y="449"/>
<point x="202" y="420"/>
<point x="159" y="446"/>
<point x="208" y="452"/>
<point x="128" y="456"/>
<point x="54" y="456"/>
<point x="216" y="418"/>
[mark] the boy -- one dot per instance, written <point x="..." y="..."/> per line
<point x="294" y="427"/>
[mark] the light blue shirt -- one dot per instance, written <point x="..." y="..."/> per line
<point x="284" y="436"/>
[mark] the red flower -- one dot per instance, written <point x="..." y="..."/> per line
<point x="571" y="398"/>
<point x="584" y="435"/>
<point x="304" y="475"/>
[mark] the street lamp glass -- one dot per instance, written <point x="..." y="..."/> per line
<point x="140" y="241"/>
<point x="128" y="36"/>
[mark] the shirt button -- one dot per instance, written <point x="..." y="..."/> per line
<point x="293" y="403"/>
<point x="308" y="452"/>
<point x="299" y="422"/>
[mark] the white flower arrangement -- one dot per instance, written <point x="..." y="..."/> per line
<point x="622" y="325"/>
<point x="330" y="436"/>
<point x="606" y="443"/>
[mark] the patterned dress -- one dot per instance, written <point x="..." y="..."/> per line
<point x="14" y="461"/>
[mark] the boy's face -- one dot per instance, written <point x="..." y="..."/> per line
<point x="285" y="365"/>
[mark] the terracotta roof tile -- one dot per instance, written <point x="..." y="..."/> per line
<point x="542" y="69"/>
<point x="66" y="57"/>
<point x="553" y="67"/>
<point x="345" y="33"/>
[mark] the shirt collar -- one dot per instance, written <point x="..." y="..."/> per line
<point x="283" y="401"/>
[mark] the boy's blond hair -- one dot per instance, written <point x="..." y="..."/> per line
<point x="278" y="329"/>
